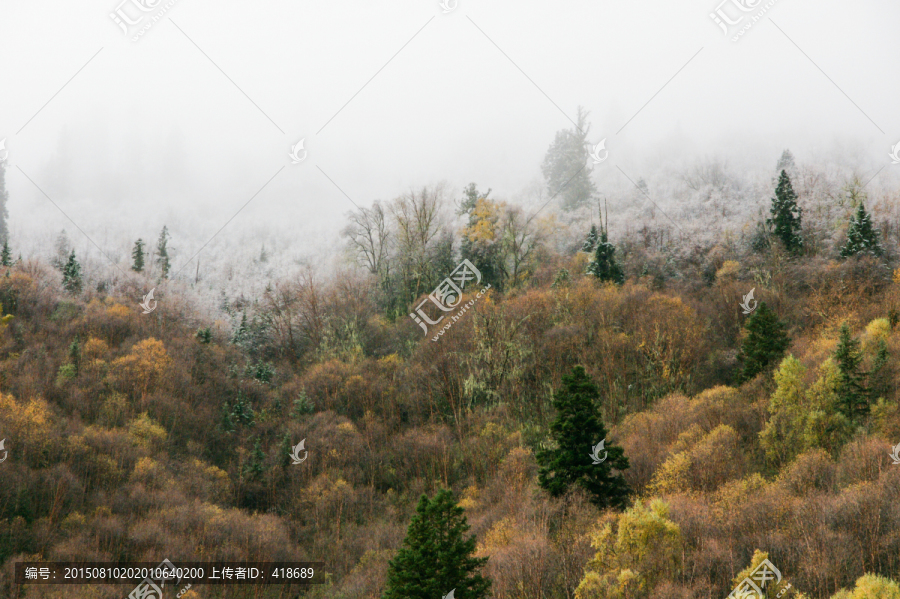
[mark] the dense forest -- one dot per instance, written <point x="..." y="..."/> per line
<point x="619" y="407"/>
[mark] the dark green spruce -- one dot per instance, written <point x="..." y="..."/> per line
<point x="436" y="556"/>
<point x="577" y="429"/>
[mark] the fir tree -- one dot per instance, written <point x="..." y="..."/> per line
<point x="879" y="378"/>
<point x="591" y="241"/>
<point x="204" y="335"/>
<point x="786" y="215"/>
<point x="63" y="247"/>
<point x="862" y="238"/>
<point x="436" y="557"/>
<point x="5" y="254"/>
<point x="765" y="343"/>
<point x="577" y="429"/>
<point x="565" y="165"/>
<point x="604" y="266"/>
<point x="253" y="469"/>
<point x="137" y="255"/>
<point x="162" y="252"/>
<point x="786" y="162"/>
<point x="853" y="401"/>
<point x="75" y="354"/>
<point x="72" y="281"/>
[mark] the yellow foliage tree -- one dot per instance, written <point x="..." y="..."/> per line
<point x="635" y="551"/>
<point x="142" y="368"/>
<point x="25" y="426"/>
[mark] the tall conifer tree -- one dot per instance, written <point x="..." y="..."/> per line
<point x="162" y="252"/>
<point x="577" y="429"/>
<point x="436" y="557"/>
<point x="853" y="399"/>
<point x="137" y="256"/>
<point x="786" y="215"/>
<point x="72" y="280"/>
<point x="862" y="238"/>
<point x="765" y="343"/>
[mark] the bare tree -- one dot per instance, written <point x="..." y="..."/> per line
<point x="419" y="223"/>
<point x="368" y="237"/>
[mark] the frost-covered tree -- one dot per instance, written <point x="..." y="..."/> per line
<point x="604" y="265"/>
<point x="591" y="241"/>
<point x="162" y="252"/>
<point x="72" y="281"/>
<point x="862" y="238"/>
<point x="565" y="165"/>
<point x="63" y="247"/>
<point x="786" y="162"/>
<point x="786" y="215"/>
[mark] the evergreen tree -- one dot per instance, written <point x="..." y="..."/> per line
<point x="137" y="255"/>
<point x="4" y="198"/>
<point x="436" y="558"/>
<point x="565" y="165"/>
<point x="862" y="238"/>
<point x="75" y="354"/>
<point x="765" y="343"/>
<point x="591" y="241"/>
<point x="879" y="378"/>
<point x="253" y="469"/>
<point x="786" y="162"/>
<point x="162" y="252"/>
<point x="604" y="266"/>
<point x="577" y="429"/>
<point x="853" y="401"/>
<point x="204" y="335"/>
<point x="5" y="254"/>
<point x="786" y="215"/>
<point x="72" y="281"/>
<point x="63" y="247"/>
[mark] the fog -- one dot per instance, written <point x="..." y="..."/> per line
<point x="191" y="125"/>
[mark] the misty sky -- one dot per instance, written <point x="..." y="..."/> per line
<point x="153" y="132"/>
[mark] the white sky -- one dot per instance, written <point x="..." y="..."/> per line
<point x="151" y="132"/>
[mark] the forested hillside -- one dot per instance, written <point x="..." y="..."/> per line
<point x="745" y="384"/>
